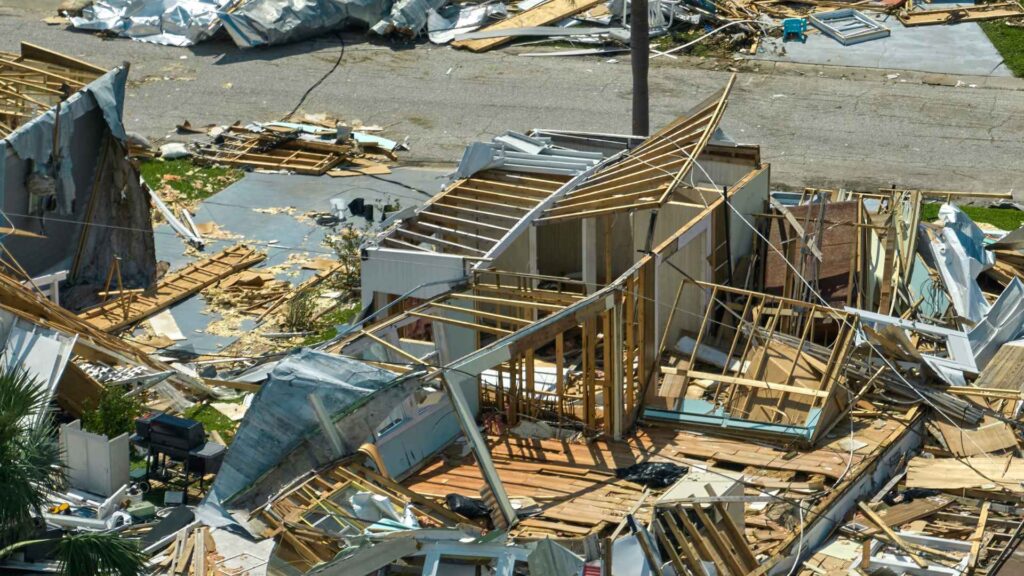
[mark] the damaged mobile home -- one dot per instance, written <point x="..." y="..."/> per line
<point x="599" y="354"/>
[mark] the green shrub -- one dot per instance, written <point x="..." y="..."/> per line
<point x="114" y="415"/>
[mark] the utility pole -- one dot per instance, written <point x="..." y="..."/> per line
<point x="639" y="55"/>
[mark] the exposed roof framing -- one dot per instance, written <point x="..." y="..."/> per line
<point x="496" y="304"/>
<point x="36" y="80"/>
<point x="473" y="214"/>
<point x="647" y="176"/>
<point x="306" y="515"/>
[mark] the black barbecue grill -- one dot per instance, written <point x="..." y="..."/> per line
<point x="181" y="440"/>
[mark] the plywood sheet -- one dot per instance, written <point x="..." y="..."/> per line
<point x="976" y="473"/>
<point x="1006" y="369"/>
<point x="987" y="437"/>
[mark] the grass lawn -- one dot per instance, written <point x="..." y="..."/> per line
<point x="192" y="181"/>
<point x="1009" y="41"/>
<point x="212" y="419"/>
<point x="329" y="323"/>
<point x="1004" y="218"/>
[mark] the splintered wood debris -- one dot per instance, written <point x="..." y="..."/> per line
<point x="604" y="364"/>
<point x="317" y="147"/>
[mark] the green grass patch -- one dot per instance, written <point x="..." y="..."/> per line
<point x="192" y="181"/>
<point x="679" y="37"/>
<point x="212" y="419"/>
<point x="1003" y="218"/>
<point x="330" y="323"/>
<point x="1009" y="41"/>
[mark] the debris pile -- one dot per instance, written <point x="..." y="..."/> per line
<point x="313" y="149"/>
<point x="603" y="25"/>
<point x="586" y="354"/>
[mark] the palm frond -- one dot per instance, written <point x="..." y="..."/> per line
<point x="22" y="399"/>
<point x="99" y="554"/>
<point x="29" y="455"/>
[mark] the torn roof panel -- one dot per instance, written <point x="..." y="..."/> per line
<point x="41" y="352"/>
<point x="281" y="417"/>
<point x="515" y="152"/>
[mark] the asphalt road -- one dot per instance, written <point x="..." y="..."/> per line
<point x="855" y="129"/>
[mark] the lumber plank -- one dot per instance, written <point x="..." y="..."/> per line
<point x="110" y="316"/>
<point x="544" y="14"/>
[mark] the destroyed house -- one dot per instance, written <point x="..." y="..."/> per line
<point x="608" y="349"/>
<point x="620" y="287"/>
<point x="72" y="201"/>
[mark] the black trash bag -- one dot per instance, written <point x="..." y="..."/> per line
<point x="468" y="507"/>
<point x="652" y="474"/>
<point x="909" y="495"/>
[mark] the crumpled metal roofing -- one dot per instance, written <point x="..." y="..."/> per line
<point x="169" y="22"/>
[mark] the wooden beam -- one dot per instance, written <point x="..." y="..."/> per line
<point x="877" y="521"/>
<point x="392" y="347"/>
<point x="40" y="54"/>
<point x="977" y="538"/>
<point x="242" y="386"/>
<point x="482" y="314"/>
<point x="506" y="302"/>
<point x="461" y="323"/>
<point x="435" y="241"/>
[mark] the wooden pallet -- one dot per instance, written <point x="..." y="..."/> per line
<point x="114" y="315"/>
<point x="274" y="151"/>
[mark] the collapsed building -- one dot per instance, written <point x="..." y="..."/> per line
<point x="610" y="354"/>
<point x="72" y="201"/>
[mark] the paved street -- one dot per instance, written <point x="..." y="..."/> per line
<point x="861" y="131"/>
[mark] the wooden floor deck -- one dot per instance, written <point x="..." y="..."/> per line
<point x="575" y="484"/>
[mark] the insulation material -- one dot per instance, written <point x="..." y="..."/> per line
<point x="169" y="22"/>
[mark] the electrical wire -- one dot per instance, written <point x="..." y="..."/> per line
<point x="341" y="55"/>
<point x="870" y="344"/>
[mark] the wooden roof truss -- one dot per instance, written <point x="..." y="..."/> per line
<point x="496" y="305"/>
<point x="35" y="80"/>
<point x="472" y="215"/>
<point x="648" y="175"/>
<point x="308" y="516"/>
<point x="274" y="151"/>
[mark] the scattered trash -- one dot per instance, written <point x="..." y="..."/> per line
<point x="468" y="507"/>
<point x="652" y="474"/>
